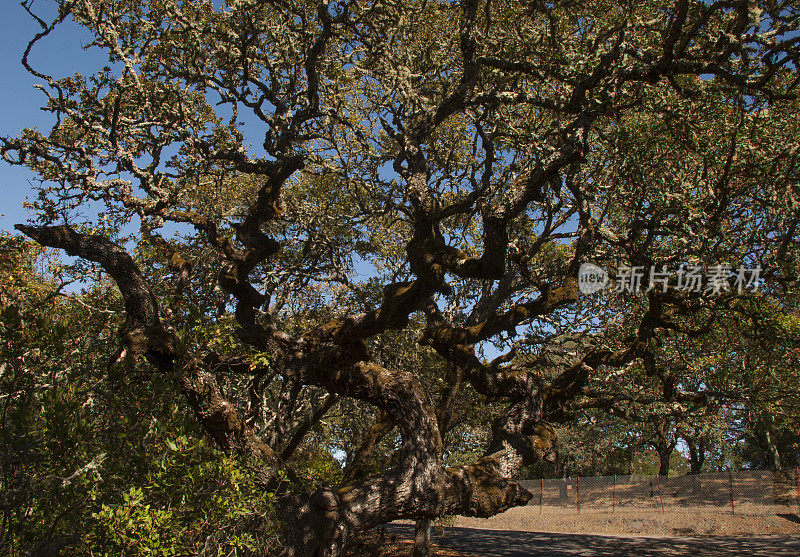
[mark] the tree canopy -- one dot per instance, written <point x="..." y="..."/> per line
<point x="378" y="210"/>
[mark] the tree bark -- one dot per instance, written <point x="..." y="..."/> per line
<point x="663" y="463"/>
<point x="772" y="450"/>
<point x="664" y="447"/>
<point x="422" y="538"/>
<point x="697" y="454"/>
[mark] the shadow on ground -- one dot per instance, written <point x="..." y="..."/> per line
<point x="791" y="517"/>
<point x="501" y="543"/>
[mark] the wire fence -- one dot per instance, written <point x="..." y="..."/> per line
<point x="747" y="492"/>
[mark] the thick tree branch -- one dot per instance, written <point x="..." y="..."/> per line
<point x="144" y="333"/>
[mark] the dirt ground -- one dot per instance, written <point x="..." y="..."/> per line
<point x="681" y="522"/>
<point x="559" y="532"/>
<point x="499" y="543"/>
<point x="393" y="543"/>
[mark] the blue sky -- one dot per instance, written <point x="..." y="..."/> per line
<point x="20" y="103"/>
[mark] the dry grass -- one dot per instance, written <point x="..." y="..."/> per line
<point x="681" y="522"/>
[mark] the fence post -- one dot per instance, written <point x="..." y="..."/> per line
<point x="541" y="491"/>
<point x="730" y="489"/>
<point x="614" y="495"/>
<point x="578" y="492"/>
<point x="797" y="471"/>
<point x="661" y="499"/>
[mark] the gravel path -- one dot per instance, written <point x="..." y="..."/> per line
<point x="501" y="543"/>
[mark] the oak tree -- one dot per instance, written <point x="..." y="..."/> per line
<point x="319" y="177"/>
